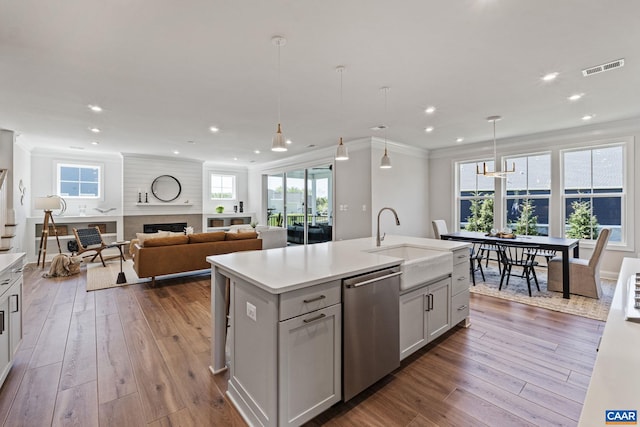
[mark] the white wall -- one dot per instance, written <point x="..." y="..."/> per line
<point x="43" y="179"/>
<point x="242" y="189"/>
<point x="140" y="171"/>
<point x="21" y="200"/>
<point x="404" y="187"/>
<point x="353" y="193"/>
<point x="442" y="175"/>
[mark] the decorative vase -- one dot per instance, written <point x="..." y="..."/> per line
<point x="241" y="207"/>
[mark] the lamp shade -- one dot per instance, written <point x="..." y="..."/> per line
<point x="341" y="152"/>
<point x="278" y="143"/>
<point x="47" y="203"/>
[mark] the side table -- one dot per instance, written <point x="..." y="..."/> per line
<point x="119" y="245"/>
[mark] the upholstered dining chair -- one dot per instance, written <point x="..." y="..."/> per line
<point x="439" y="227"/>
<point x="584" y="275"/>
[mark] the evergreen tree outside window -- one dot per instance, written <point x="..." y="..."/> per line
<point x="474" y="195"/>
<point x="528" y="192"/>
<point x="594" y="191"/>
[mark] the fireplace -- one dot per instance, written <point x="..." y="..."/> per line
<point x="170" y="226"/>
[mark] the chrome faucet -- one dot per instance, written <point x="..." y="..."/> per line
<point x="378" y="238"/>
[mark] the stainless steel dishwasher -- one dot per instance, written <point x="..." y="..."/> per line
<point x="371" y="329"/>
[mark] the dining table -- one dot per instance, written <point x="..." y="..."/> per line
<point x="558" y="244"/>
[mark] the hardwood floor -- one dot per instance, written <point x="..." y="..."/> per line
<point x="136" y="356"/>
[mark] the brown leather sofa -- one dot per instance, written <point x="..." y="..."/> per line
<point x="179" y="254"/>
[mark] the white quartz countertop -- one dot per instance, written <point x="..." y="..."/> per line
<point x="7" y="260"/>
<point x="615" y="381"/>
<point x="294" y="267"/>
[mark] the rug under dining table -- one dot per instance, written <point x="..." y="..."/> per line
<point x="517" y="291"/>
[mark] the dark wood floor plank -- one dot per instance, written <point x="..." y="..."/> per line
<point x="115" y="373"/>
<point x="158" y="393"/>
<point x="123" y="412"/>
<point x="484" y="411"/>
<point x="77" y="406"/>
<point x="194" y="383"/>
<point x="36" y="397"/>
<point x="192" y="321"/>
<point x="553" y="401"/>
<point x="79" y="364"/>
<point x="160" y="322"/>
<point x="181" y="418"/>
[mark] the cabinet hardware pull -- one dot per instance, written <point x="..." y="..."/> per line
<point x="318" y="298"/>
<point x="2" y="318"/>
<point x="461" y="256"/>
<point x="377" y="279"/>
<point x="430" y="301"/>
<point x="428" y="305"/>
<point x="460" y="279"/>
<point x="17" y="303"/>
<point x="462" y="307"/>
<point x="313" y="319"/>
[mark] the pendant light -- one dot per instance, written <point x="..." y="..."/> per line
<point x="385" y="162"/>
<point x="341" y="151"/>
<point x="496" y="173"/>
<point x="278" y="143"/>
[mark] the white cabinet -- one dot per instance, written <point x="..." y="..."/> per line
<point x="216" y="222"/>
<point x="309" y="369"/>
<point x="424" y="315"/>
<point x="460" y="281"/>
<point x="285" y="352"/>
<point x="10" y="310"/>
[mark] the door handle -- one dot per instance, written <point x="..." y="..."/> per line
<point x="17" y="303"/>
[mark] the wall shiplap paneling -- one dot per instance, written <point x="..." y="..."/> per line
<point x="139" y="173"/>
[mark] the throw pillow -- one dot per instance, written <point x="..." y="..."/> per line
<point x="145" y="236"/>
<point x="241" y="236"/>
<point x="166" y="241"/>
<point x="177" y="233"/>
<point x="216" y="236"/>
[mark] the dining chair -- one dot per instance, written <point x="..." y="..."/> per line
<point x="584" y="275"/>
<point x="513" y="255"/>
<point x="485" y="250"/>
<point x="475" y="261"/>
<point x="439" y="227"/>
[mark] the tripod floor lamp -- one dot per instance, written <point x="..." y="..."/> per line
<point x="48" y="204"/>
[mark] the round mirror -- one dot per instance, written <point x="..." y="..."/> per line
<point x="166" y="188"/>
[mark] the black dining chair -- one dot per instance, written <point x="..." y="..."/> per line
<point x="522" y="256"/>
<point x="475" y="261"/>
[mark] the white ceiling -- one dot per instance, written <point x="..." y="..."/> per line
<point x="165" y="71"/>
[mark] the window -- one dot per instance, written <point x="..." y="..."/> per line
<point x="594" y="192"/>
<point x="528" y="192"/>
<point x="81" y="181"/>
<point x="223" y="187"/>
<point x="475" y="197"/>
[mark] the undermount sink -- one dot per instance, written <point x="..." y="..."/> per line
<point x="420" y="265"/>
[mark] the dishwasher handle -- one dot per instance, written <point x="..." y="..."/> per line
<point x="353" y="283"/>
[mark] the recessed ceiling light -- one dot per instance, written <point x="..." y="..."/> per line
<point x="214" y="129"/>
<point x="430" y="110"/>
<point x="288" y="141"/>
<point x="379" y="127"/>
<point x="460" y="139"/>
<point x="588" y="117"/>
<point x="94" y="130"/>
<point x="235" y="158"/>
<point x="549" y="77"/>
<point x="176" y="152"/>
<point x="575" y="96"/>
<point x="257" y="151"/>
<point x="428" y="129"/>
<point x="94" y="143"/>
<point x="95" y="108"/>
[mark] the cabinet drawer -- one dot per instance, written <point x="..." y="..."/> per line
<point x="303" y="301"/>
<point x="460" y="256"/>
<point x="459" y="307"/>
<point x="460" y="278"/>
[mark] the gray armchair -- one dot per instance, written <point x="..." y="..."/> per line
<point x="584" y="276"/>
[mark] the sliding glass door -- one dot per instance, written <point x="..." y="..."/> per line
<point x="302" y="201"/>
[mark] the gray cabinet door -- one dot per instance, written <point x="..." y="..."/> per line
<point x="5" y="350"/>
<point x="438" y="313"/>
<point x="413" y="324"/>
<point x="15" y="316"/>
<point x="309" y="365"/>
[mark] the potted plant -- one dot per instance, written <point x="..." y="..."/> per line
<point x="219" y="209"/>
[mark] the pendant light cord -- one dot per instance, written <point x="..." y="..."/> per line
<point x="386" y="89"/>
<point x="279" y="85"/>
<point x="495" y="153"/>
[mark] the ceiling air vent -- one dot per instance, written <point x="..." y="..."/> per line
<point x="379" y="127"/>
<point x="603" y="67"/>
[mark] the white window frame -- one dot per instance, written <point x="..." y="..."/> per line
<point x="234" y="191"/>
<point x="628" y="159"/>
<point x="506" y="198"/>
<point x="459" y="198"/>
<point x="99" y="167"/>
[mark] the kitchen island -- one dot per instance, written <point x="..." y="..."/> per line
<point x="285" y="318"/>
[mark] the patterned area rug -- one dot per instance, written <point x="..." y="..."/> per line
<point x="99" y="277"/>
<point x="517" y="291"/>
